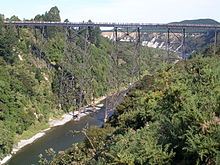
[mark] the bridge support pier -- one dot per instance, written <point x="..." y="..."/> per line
<point x="35" y="32"/>
<point x="183" y="44"/>
<point x="68" y="33"/>
<point x="18" y="32"/>
<point x="180" y="41"/>
<point x="215" y="41"/>
<point x="44" y="32"/>
<point x="115" y="44"/>
<point x="87" y="36"/>
<point x="113" y="82"/>
<point x="138" y="50"/>
<point x="115" y="34"/>
<point x="168" y="43"/>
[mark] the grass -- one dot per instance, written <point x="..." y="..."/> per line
<point x="38" y="127"/>
<point x="33" y="130"/>
<point x="56" y="114"/>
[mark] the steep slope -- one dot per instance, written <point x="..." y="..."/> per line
<point x="195" y="40"/>
<point x="198" y="21"/>
<point x="44" y="74"/>
<point x="171" y="117"/>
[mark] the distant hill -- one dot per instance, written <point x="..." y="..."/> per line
<point x="198" y="21"/>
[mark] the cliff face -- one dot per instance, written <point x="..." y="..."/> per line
<point x="193" y="41"/>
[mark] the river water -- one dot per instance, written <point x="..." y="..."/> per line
<point x="59" y="138"/>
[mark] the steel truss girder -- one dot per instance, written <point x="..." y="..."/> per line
<point x="181" y="42"/>
<point x="116" y="81"/>
<point x="83" y="81"/>
<point x="119" y="25"/>
<point x="18" y="32"/>
<point x="215" y="41"/>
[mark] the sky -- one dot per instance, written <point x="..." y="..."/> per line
<point x="128" y="11"/>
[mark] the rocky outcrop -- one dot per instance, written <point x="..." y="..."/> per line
<point x="193" y="41"/>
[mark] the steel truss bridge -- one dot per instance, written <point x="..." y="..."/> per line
<point x="128" y="28"/>
<point x="117" y="25"/>
<point x="134" y="31"/>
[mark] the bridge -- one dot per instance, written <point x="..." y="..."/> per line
<point x="115" y="25"/>
<point x="128" y="28"/>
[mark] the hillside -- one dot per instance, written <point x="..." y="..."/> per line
<point x="170" y="117"/>
<point x="198" y="21"/>
<point x="44" y="75"/>
<point x="195" y="40"/>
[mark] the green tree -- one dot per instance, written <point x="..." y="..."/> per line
<point x="53" y="15"/>
<point x="39" y="17"/>
<point x="7" y="42"/>
<point x="94" y="35"/>
<point x="6" y="140"/>
<point x="14" y="18"/>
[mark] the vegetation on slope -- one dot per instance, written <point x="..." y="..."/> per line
<point x="44" y="73"/>
<point x="198" y="21"/>
<point x="172" y="117"/>
<point x="25" y="89"/>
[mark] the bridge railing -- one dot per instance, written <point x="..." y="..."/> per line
<point x="118" y="25"/>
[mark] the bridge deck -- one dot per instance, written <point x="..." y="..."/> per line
<point x="118" y="25"/>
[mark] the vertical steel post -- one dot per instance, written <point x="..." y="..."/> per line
<point x="35" y="32"/>
<point x="139" y="35"/>
<point x="116" y="61"/>
<point x="85" y="58"/>
<point x="215" y="42"/>
<point x="18" y="32"/>
<point x="135" y="55"/>
<point x="139" y="51"/>
<point x="45" y="32"/>
<point x="114" y="79"/>
<point x="168" y="43"/>
<point x="183" y="44"/>
<point x="82" y="81"/>
<point x="42" y="32"/>
<point x="68" y="33"/>
<point x="116" y="33"/>
<point x="116" y="40"/>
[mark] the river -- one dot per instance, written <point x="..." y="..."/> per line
<point x="59" y="138"/>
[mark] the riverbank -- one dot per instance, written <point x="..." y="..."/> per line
<point x="53" y="123"/>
